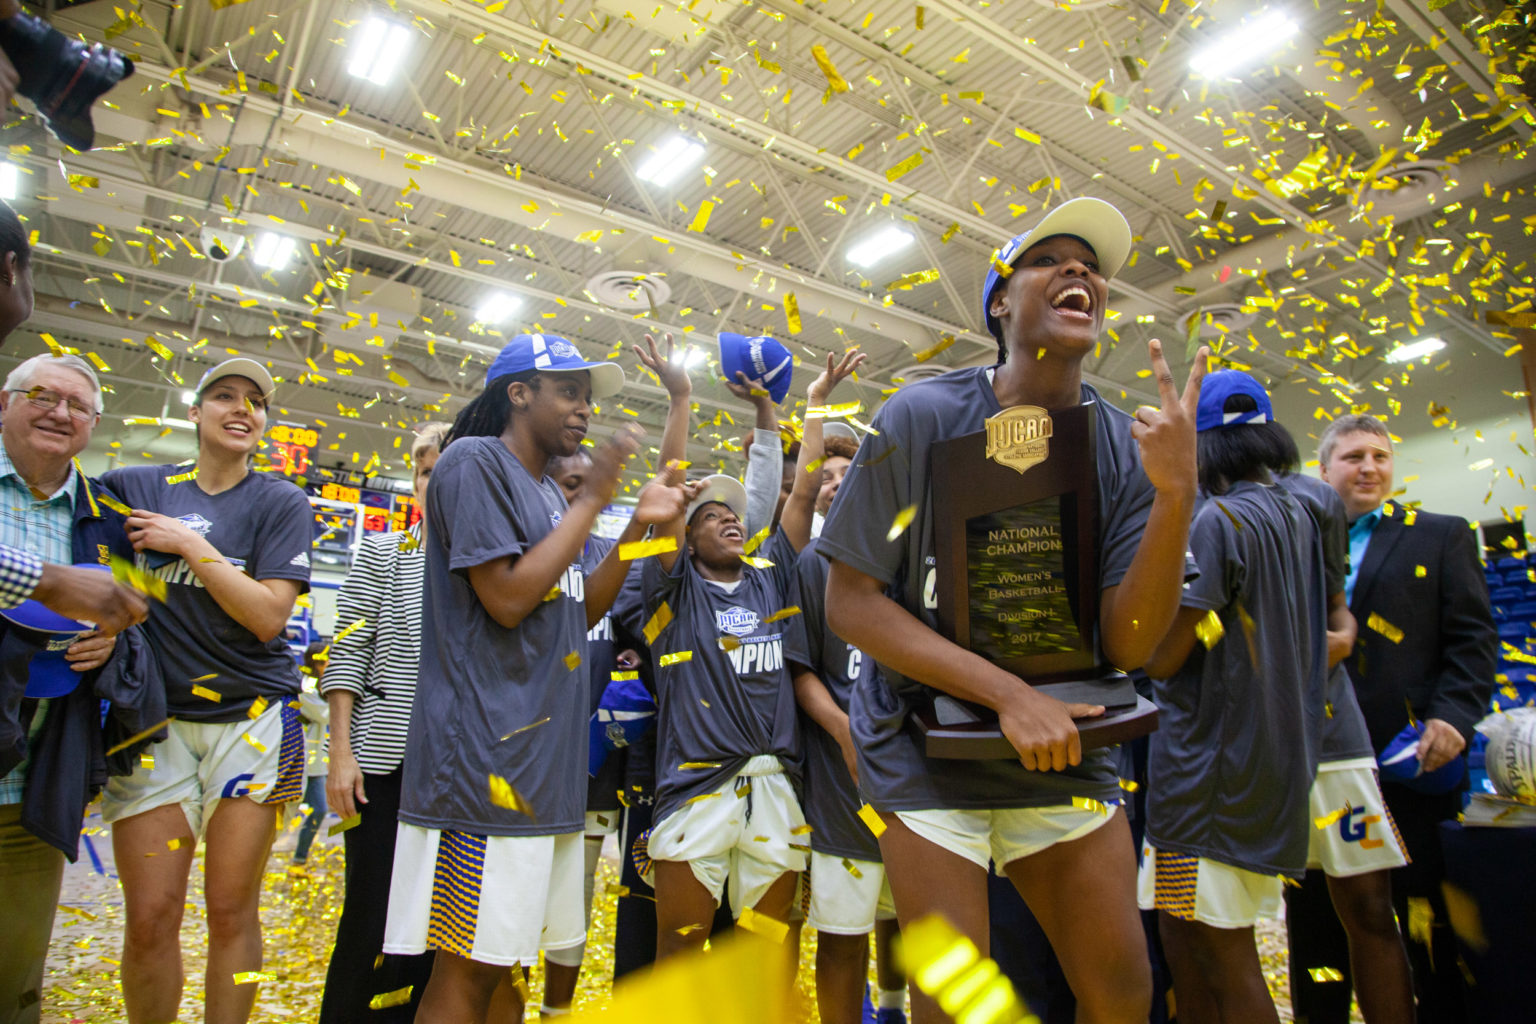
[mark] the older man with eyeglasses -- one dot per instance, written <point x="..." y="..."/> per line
<point x="55" y="673"/>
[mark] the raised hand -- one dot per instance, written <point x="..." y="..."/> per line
<point x="836" y="371"/>
<point x="670" y="370"/>
<point x="749" y="389"/>
<point x="608" y="461"/>
<point x="665" y="497"/>
<point x="1166" y="435"/>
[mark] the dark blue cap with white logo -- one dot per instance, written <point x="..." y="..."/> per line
<point x="1221" y="385"/>
<point x="760" y="358"/>
<point x="550" y="352"/>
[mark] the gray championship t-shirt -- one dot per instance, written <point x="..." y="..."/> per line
<point x="831" y="800"/>
<point x="263" y="525"/>
<point x="490" y="700"/>
<point x="891" y="473"/>
<point x="602" y="653"/>
<point x="1344" y="733"/>
<point x="1232" y="761"/>
<point x="717" y="707"/>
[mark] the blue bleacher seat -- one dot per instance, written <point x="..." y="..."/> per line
<point x="1525" y="611"/>
<point x="1509" y="562"/>
<point x="1514" y="633"/>
<point x="1507" y="595"/>
<point x="1516" y="578"/>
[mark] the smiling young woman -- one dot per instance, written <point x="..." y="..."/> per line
<point x="232" y="546"/>
<point x="1044" y="301"/>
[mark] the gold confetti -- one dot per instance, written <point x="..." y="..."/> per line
<point x="353" y="628"/>
<point x="252" y="977"/>
<point x="871" y="819"/>
<point x="1084" y="803"/>
<point x="645" y="548"/>
<point x="728" y="643"/>
<point x="756" y="540"/>
<point x="207" y="694"/>
<point x="911" y="163"/>
<point x="253" y="741"/>
<point x="344" y="824"/>
<point x="525" y="728"/>
<point x="1210" y="630"/>
<point x="1322" y="974"/>
<point x="504" y="795"/>
<point x="694" y="766"/>
<point x="1331" y="817"/>
<point x="792" y="313"/>
<point x="134" y="578"/>
<point x="947" y="966"/>
<point x="136" y="737"/>
<point x="784" y="613"/>
<point x="816" y="412"/>
<point x="835" y="81"/>
<point x="762" y="925"/>
<point x="757" y="563"/>
<point x="660" y="621"/>
<point x="701" y="797"/>
<point x="944" y="342"/>
<point x="181" y="478"/>
<point x="675" y="658"/>
<point x="572" y="660"/>
<point x="701" y="218"/>
<point x="258" y="706"/>
<point x="1385" y="628"/>
<point x="852" y="868"/>
<point x="384" y="1000"/>
<point x="901" y="522"/>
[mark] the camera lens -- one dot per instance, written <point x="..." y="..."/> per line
<point x="218" y="253"/>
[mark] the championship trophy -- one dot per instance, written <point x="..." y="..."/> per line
<point x="1016" y="537"/>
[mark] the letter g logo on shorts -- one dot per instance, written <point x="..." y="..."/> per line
<point x="236" y="787"/>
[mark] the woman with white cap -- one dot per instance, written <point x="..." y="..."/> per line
<point x="232" y="546"/>
<point x="726" y="804"/>
<point x="1048" y="820"/>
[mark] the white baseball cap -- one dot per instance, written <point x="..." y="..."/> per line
<point x="725" y="489"/>
<point x="250" y="369"/>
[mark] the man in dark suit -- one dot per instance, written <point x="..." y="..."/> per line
<point x="1426" y="656"/>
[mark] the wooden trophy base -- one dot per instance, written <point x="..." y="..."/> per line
<point x="951" y="729"/>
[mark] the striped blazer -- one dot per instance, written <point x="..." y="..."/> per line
<point x="376" y="652"/>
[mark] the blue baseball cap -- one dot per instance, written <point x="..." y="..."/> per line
<point x="760" y="358"/>
<point x="1399" y="762"/>
<point x="1096" y="222"/>
<point x="1220" y="385"/>
<point x="624" y="713"/>
<point x="527" y="352"/>
<point x="48" y="673"/>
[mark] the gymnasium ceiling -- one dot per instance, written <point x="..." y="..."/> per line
<point x="1361" y="187"/>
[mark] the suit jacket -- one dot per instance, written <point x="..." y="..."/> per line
<point x="1426" y="635"/>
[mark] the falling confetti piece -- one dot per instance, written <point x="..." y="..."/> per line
<point x="944" y="342"/>
<point x="852" y="868"/>
<point x="783" y="613"/>
<point x="353" y="628"/>
<point x="835" y="81"/>
<point x="136" y="737"/>
<point x="384" y="1000"/>
<point x="252" y="977"/>
<point x="572" y="660"/>
<point x="181" y="478"/>
<point x="1084" y="803"/>
<point x="258" y="706"/>
<point x="901" y="522"/>
<point x="829" y="411"/>
<point x="344" y="824"/>
<point x="1331" y="817"/>
<point x="1385" y="628"/>
<point x="503" y="795"/>
<point x="694" y="766"/>
<point x="660" y="621"/>
<point x="911" y="163"/>
<point x="1210" y="630"/>
<point x="871" y="819"/>
<point x="947" y="966"/>
<point x="762" y="925"/>
<point x="207" y="694"/>
<point x="645" y="548"/>
<point x="131" y="576"/>
<point x="701" y="218"/>
<point x="700" y="797"/>
<point x="523" y="729"/>
<point x="675" y="658"/>
<point x="756" y="540"/>
<point x="728" y="643"/>
<point x="791" y="313"/>
<point x="1323" y="974"/>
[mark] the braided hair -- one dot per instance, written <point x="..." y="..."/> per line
<point x="487" y="415"/>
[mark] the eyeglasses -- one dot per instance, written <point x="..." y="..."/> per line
<point x="45" y="399"/>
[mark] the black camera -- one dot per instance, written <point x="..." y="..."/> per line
<point x="63" y="76"/>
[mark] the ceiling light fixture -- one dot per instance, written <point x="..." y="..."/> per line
<point x="273" y="251"/>
<point x="876" y="247"/>
<point x="1414" y="350"/>
<point x="670" y="160"/>
<point x="377" y="50"/>
<point x="1246" y="44"/>
<point x="497" y="308"/>
<point x="189" y="398"/>
<point x="693" y="356"/>
<point x="10" y="180"/>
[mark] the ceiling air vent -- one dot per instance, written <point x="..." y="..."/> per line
<point x="1403" y="190"/>
<point x="1218" y="319"/>
<point x="904" y="375"/>
<point x="628" y="289"/>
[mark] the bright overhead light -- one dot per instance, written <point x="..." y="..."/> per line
<point x="693" y="356"/>
<point x="1246" y="44"/>
<point x="377" y="50"/>
<point x="1414" y="350"/>
<point x="497" y="308"/>
<point x="670" y="160"/>
<point x="273" y="251"/>
<point x="876" y="247"/>
<point x="10" y="180"/>
<point x="188" y="397"/>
